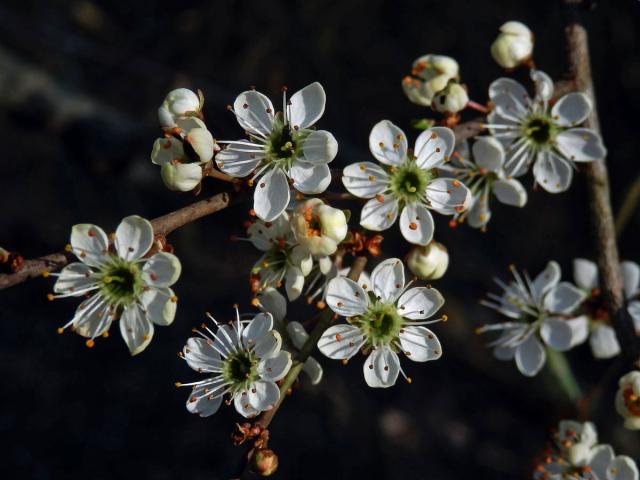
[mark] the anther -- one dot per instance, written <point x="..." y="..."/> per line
<point x="90" y="343"/>
<point x="45" y="274"/>
<point x="50" y="297"/>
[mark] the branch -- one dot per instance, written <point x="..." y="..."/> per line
<point x="163" y="225"/>
<point x="599" y="196"/>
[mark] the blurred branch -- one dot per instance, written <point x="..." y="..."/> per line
<point x="629" y="206"/>
<point x="163" y="225"/>
<point x="599" y="193"/>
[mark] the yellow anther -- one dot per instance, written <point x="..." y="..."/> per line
<point x="45" y="274"/>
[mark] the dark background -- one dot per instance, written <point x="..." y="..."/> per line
<point x="80" y="83"/>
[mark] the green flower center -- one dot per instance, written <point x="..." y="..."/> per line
<point x="284" y="144"/>
<point x="380" y="324"/>
<point x="240" y="369"/>
<point x="409" y="181"/>
<point x="120" y="281"/>
<point x="539" y="130"/>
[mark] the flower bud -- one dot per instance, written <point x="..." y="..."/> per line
<point x="264" y="462"/>
<point x="178" y="103"/>
<point x="628" y="400"/>
<point x="513" y="46"/>
<point x="182" y="177"/>
<point x="452" y="99"/>
<point x="319" y="227"/>
<point x="430" y="74"/>
<point x="428" y="262"/>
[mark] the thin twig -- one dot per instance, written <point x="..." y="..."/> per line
<point x="629" y="205"/>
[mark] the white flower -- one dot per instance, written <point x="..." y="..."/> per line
<point x="428" y="262"/>
<point x="452" y="99"/>
<point x="319" y="227"/>
<point x="513" y="46"/>
<point x="280" y="146"/>
<point x="430" y="74"/>
<point x="284" y="259"/>
<point x="603" y="340"/>
<point x="628" y="399"/>
<point x="538" y="310"/>
<point x="534" y="133"/>
<point x="387" y="320"/>
<point x="484" y="175"/>
<point x="120" y="282"/>
<point x="243" y="359"/>
<point x="406" y="182"/>
<point x="183" y="154"/>
<point x="575" y="454"/>
<point x="178" y="104"/>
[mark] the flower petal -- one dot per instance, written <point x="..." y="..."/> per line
<point x="75" y="278"/>
<point x="256" y="329"/>
<point x="202" y="143"/>
<point x="90" y="244"/>
<point x="420" y="344"/>
<point x="388" y="143"/>
<point x="585" y="274"/>
<point x="294" y="283"/>
<point x="379" y="215"/>
<point x="603" y="342"/>
<point x="530" y="356"/>
<point x="341" y="342"/>
<point x="160" y="305"/>
<point x="448" y="196"/>
<point x="546" y="280"/>
<point x="381" y="368"/>
<point x="510" y="192"/>
<point x="488" y="153"/>
<point x="273" y="302"/>
<point x="564" y="298"/>
<point x="510" y="97"/>
<point x="134" y="237"/>
<point x="622" y="468"/>
<point x="552" y="172"/>
<point x="307" y="105"/>
<point x="161" y="270"/>
<point x="166" y="149"/>
<point x="182" y="177"/>
<point x="297" y="334"/>
<point x="365" y="180"/>
<point x="346" y="297"/>
<point x="544" y="85"/>
<point x="271" y="195"/>
<point x="634" y="310"/>
<point x="136" y="329"/>
<point x="263" y="395"/>
<point x="234" y="160"/>
<point x="420" y="302"/>
<point x="580" y="145"/>
<point x="416" y="224"/>
<point x="556" y="334"/>
<point x="268" y="345"/>
<point x="92" y="319"/>
<point x="434" y="146"/>
<point x="309" y="178"/>
<point x="480" y="212"/>
<point x="203" y="402"/>
<point x="313" y="369"/>
<point x="320" y="147"/>
<point x="254" y="112"/>
<point x="243" y="407"/>
<point x="387" y="280"/>
<point x="572" y="109"/>
<point x="201" y="356"/>
<point x="276" y="367"/>
<point x="630" y="277"/>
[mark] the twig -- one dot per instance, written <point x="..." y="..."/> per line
<point x="163" y="225"/>
<point x="599" y="194"/>
<point x="629" y="206"/>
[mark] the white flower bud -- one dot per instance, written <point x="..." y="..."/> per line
<point x="452" y="99"/>
<point x="579" y="454"/>
<point x="430" y="74"/>
<point x="513" y="46"/>
<point x="428" y="262"/>
<point x="182" y="177"/>
<point x="319" y="227"/>
<point x="178" y="103"/>
<point x="628" y="399"/>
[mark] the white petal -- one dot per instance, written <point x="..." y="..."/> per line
<point x="601" y="458"/>
<point x="263" y="235"/>
<point x="544" y="85"/>
<point x="134" y="237"/>
<point x="271" y="195"/>
<point x="346" y="297"/>
<point x="202" y="142"/>
<point x="243" y="407"/>
<point x="301" y="257"/>
<point x="307" y="105"/>
<point x="341" y="342"/>
<point x="448" y="196"/>
<point x="159" y="305"/>
<point x="580" y="145"/>
<point x="434" y="146"/>
<point x="276" y="367"/>
<point x="273" y="302"/>
<point x="254" y="112"/>
<point x="387" y="280"/>
<point x="511" y="98"/>
<point x="557" y="334"/>
<point x="203" y="403"/>
<point x="293" y="283"/>
<point x="420" y="302"/>
<point x="420" y="344"/>
<point x="365" y="179"/>
<point x="546" y="280"/>
<point x="622" y="468"/>
<point x="90" y="244"/>
<point x="166" y="149"/>
<point x="182" y="177"/>
<point x="510" y="192"/>
<point x="381" y="368"/>
<point x="603" y="342"/>
<point x="530" y="356"/>
<point x="585" y="274"/>
<point x="257" y="328"/>
<point x="416" y="224"/>
<point x="379" y="215"/>
<point x="297" y="334"/>
<point x="388" y="143"/>
<point x="263" y="395"/>
<point x="75" y="277"/>
<point x="320" y="147"/>
<point x="309" y="178"/>
<point x="552" y="173"/>
<point x="579" y="329"/>
<point x="161" y="270"/>
<point x="136" y="330"/>
<point x="572" y="109"/>
<point x="564" y="298"/>
<point x="268" y="345"/>
<point x="201" y="356"/>
<point x="634" y="310"/>
<point x="92" y="321"/>
<point x="313" y="369"/>
<point x="488" y="153"/>
<point x="630" y="277"/>
<point x="504" y="354"/>
<point x="233" y="161"/>
<point x="480" y="211"/>
<point x="226" y="339"/>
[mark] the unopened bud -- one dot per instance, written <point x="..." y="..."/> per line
<point x="430" y="74"/>
<point x="264" y="462"/>
<point x="178" y="103"/>
<point x="182" y="177"/>
<point x="452" y="99"/>
<point x="428" y="262"/>
<point x="513" y="46"/>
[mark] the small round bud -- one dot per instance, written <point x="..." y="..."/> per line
<point x="178" y="103"/>
<point x="452" y="99"/>
<point x="430" y="74"/>
<point x="264" y="462"/>
<point x="513" y="46"/>
<point x="428" y="262"/>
